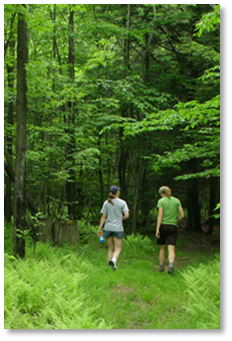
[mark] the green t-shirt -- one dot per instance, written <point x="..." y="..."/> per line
<point x="170" y="206"/>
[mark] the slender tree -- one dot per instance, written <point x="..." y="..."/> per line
<point x="21" y="139"/>
<point x="70" y="183"/>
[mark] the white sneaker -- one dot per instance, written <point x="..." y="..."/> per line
<point x="113" y="265"/>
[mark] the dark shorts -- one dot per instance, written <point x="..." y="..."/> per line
<point x="108" y="234"/>
<point x="168" y="235"/>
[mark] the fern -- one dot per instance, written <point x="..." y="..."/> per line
<point x="49" y="294"/>
<point x="203" y="291"/>
<point x="134" y="244"/>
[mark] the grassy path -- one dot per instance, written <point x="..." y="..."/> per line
<point x="137" y="296"/>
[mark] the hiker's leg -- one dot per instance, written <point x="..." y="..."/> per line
<point x="110" y="245"/>
<point x="162" y="254"/>
<point x="117" y="247"/>
<point x="171" y="253"/>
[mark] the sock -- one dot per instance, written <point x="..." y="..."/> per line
<point x="114" y="260"/>
<point x="171" y="265"/>
<point x="161" y="267"/>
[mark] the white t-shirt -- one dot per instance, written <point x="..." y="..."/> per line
<point x="114" y="214"/>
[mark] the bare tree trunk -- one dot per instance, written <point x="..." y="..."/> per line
<point x="8" y="181"/>
<point x="194" y="210"/>
<point x="123" y="154"/>
<point x="213" y="201"/>
<point x="70" y="184"/>
<point x="21" y="140"/>
<point x="136" y="195"/>
<point x="127" y="42"/>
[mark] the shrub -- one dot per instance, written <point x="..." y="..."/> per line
<point x="134" y="244"/>
<point x="87" y="232"/>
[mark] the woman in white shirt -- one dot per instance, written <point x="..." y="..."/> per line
<point x="114" y="211"/>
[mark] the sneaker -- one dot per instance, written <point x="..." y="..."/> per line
<point x="113" y="265"/>
<point x="161" y="269"/>
<point x="170" y="271"/>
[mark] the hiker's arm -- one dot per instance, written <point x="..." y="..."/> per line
<point x="181" y="211"/>
<point x="125" y="215"/>
<point x="159" y="221"/>
<point x="102" y="223"/>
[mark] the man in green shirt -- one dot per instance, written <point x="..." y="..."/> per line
<point x="170" y="212"/>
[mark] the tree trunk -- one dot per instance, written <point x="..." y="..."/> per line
<point x="122" y="165"/>
<point x="70" y="184"/>
<point x="101" y="182"/>
<point x="127" y="42"/>
<point x="11" y="174"/>
<point x="213" y="201"/>
<point x="136" y="195"/>
<point x="194" y="217"/>
<point x="21" y="140"/>
<point x="146" y="61"/>
<point x="194" y="210"/>
<point x="8" y="181"/>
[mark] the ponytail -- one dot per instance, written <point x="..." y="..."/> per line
<point x="166" y="191"/>
<point x="110" y="197"/>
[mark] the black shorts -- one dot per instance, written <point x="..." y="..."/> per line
<point x="108" y="234"/>
<point x="168" y="235"/>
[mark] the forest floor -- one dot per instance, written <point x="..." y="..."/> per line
<point x="74" y="288"/>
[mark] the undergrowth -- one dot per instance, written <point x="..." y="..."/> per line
<point x="74" y="288"/>
<point x="203" y="291"/>
<point x="49" y="292"/>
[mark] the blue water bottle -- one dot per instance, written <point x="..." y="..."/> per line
<point x="101" y="239"/>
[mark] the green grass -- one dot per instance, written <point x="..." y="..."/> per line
<point x="74" y="288"/>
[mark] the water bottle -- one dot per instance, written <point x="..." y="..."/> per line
<point x="101" y="239"/>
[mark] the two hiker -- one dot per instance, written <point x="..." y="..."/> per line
<point x="115" y="210"/>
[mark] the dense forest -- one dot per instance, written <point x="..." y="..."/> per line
<point x="102" y="94"/>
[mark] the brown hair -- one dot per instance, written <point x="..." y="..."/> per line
<point x="166" y="191"/>
<point x="110" y="197"/>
